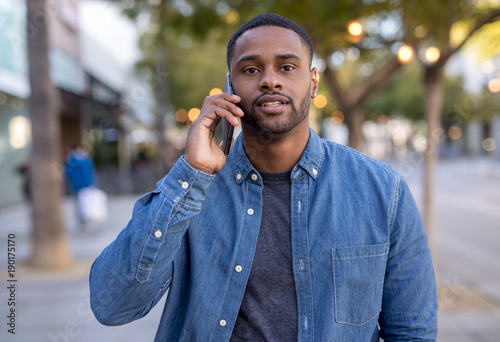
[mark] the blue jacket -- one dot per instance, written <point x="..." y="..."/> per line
<point x="80" y="170"/>
<point x="361" y="260"/>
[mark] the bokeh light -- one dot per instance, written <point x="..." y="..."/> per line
<point x="489" y="144"/>
<point x="455" y="132"/>
<point x="432" y="54"/>
<point x="337" y="117"/>
<point x="494" y="85"/>
<point x="438" y="134"/>
<point x="405" y="54"/>
<point x="355" y="28"/>
<point x="420" y="32"/>
<point x="419" y="143"/>
<point x="231" y="16"/>
<point x="320" y="101"/>
<point x="181" y="115"/>
<point x="19" y="131"/>
<point x="193" y="114"/>
<point x="215" y="91"/>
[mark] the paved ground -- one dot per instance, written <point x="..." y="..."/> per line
<point x="54" y="306"/>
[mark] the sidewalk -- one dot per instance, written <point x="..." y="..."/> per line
<point x="54" y="306"/>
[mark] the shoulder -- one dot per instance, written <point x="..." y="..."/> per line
<point x="342" y="157"/>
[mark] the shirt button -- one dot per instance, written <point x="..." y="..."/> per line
<point x="250" y="211"/>
<point x="158" y="234"/>
<point x="222" y="323"/>
<point x="254" y="177"/>
<point x="315" y="172"/>
<point x="238" y="176"/>
<point x="185" y="185"/>
<point x="238" y="268"/>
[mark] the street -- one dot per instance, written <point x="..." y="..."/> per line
<point x="54" y="306"/>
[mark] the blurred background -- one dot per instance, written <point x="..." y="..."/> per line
<point x="415" y="84"/>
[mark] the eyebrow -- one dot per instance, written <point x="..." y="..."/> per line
<point x="279" y="57"/>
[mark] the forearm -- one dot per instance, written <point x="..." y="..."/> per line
<point x="409" y="309"/>
<point x="133" y="272"/>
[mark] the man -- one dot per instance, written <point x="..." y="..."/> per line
<point x="80" y="171"/>
<point x="291" y="238"/>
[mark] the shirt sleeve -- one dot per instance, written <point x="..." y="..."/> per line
<point x="409" y="307"/>
<point x="134" y="271"/>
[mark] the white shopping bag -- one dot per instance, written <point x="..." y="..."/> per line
<point x="92" y="204"/>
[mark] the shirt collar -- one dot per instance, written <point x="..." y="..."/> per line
<point x="310" y="161"/>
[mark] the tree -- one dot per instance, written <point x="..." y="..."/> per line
<point x="50" y="244"/>
<point x="327" y="23"/>
<point x="169" y="20"/>
<point x="429" y="27"/>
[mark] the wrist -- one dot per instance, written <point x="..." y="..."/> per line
<point x="198" y="166"/>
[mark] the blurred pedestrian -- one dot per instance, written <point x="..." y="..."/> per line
<point x="24" y="170"/>
<point x="80" y="171"/>
<point x="289" y="238"/>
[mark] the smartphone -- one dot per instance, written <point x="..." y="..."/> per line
<point x="227" y="128"/>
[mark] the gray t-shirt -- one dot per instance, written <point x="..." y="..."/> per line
<point x="268" y="311"/>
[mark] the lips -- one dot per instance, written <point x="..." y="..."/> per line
<point x="272" y="104"/>
<point x="272" y="101"/>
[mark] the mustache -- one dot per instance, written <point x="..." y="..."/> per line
<point x="254" y="102"/>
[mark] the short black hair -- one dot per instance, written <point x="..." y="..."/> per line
<point x="270" y="19"/>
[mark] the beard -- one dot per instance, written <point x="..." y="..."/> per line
<point x="293" y="119"/>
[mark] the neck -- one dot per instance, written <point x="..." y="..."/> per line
<point x="277" y="153"/>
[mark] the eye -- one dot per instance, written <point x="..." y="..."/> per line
<point x="250" y="71"/>
<point x="287" y="68"/>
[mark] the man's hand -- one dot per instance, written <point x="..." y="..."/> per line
<point x="202" y="150"/>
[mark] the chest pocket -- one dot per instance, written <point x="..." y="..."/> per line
<point x="358" y="276"/>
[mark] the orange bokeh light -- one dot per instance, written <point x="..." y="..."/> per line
<point x="355" y="28"/>
<point x="320" y="101"/>
<point x="405" y="54"/>
<point x="432" y="54"/>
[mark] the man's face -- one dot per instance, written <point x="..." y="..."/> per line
<point x="270" y="72"/>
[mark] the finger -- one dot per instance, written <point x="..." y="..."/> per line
<point x="227" y="115"/>
<point x="229" y="97"/>
<point x="226" y="101"/>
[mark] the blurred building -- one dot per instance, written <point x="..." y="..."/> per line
<point x="89" y="82"/>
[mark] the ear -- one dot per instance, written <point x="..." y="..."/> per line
<point x="314" y="82"/>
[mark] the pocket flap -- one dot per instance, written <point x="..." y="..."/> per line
<point x="356" y="252"/>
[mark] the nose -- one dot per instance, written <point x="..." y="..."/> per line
<point x="270" y="81"/>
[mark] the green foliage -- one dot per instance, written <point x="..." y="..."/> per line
<point x="194" y="34"/>
<point x="197" y="70"/>
<point x="405" y="96"/>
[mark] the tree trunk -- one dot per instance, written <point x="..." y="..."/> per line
<point x="50" y="243"/>
<point x="354" y="122"/>
<point x="168" y="155"/>
<point x="434" y="92"/>
<point x="351" y="101"/>
<point x="352" y="113"/>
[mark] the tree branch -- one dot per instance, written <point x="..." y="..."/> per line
<point x="494" y="16"/>
<point x="335" y="87"/>
<point x="369" y="86"/>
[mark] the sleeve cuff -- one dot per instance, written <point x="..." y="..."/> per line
<point x="183" y="182"/>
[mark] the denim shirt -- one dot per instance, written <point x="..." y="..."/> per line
<point x="361" y="259"/>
